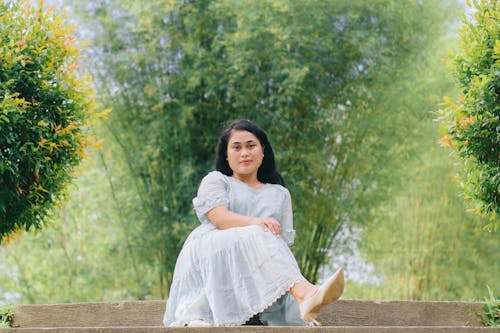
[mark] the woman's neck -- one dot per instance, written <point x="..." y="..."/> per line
<point x="251" y="180"/>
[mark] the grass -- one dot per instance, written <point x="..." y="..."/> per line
<point x="491" y="314"/>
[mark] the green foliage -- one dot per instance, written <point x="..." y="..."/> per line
<point x="175" y="74"/>
<point x="44" y="107"/>
<point x="321" y="77"/>
<point x="308" y="72"/>
<point x="421" y="242"/>
<point x="82" y="255"/>
<point x="132" y="208"/>
<point x="473" y="123"/>
<point x="491" y="315"/>
<point x="6" y="315"/>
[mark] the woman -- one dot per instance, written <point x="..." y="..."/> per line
<point x="237" y="263"/>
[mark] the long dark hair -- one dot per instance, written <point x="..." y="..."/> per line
<point x="267" y="172"/>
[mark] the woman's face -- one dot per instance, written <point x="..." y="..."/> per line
<point x="244" y="154"/>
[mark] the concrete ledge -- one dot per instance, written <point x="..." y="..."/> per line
<point x="401" y="313"/>
<point x="257" y="329"/>
<point x="101" y="314"/>
<point x="342" y="313"/>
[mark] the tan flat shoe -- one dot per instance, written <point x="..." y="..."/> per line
<point x="328" y="292"/>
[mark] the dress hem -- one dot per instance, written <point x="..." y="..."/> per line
<point x="250" y="315"/>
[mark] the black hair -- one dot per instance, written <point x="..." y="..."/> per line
<point x="267" y="172"/>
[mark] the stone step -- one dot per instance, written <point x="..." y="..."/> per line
<point x="260" y="329"/>
<point x="341" y="313"/>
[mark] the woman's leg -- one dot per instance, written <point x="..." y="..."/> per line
<point x="302" y="290"/>
<point x="238" y="272"/>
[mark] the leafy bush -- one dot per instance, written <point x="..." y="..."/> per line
<point x="473" y="123"/>
<point x="44" y="109"/>
<point x="6" y="315"/>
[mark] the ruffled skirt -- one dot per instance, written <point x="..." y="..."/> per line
<point x="224" y="277"/>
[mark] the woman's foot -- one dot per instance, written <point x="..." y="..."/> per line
<point x="328" y="292"/>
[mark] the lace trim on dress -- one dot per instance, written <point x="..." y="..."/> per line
<point x="249" y="315"/>
<point x="285" y="286"/>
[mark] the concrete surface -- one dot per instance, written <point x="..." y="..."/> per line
<point x="257" y="329"/>
<point x="340" y="313"/>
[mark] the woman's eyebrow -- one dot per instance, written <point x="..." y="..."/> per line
<point x="238" y="143"/>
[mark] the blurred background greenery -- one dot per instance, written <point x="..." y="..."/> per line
<point x="347" y="92"/>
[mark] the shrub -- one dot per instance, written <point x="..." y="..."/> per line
<point x="45" y="107"/>
<point x="6" y="315"/>
<point x="473" y="122"/>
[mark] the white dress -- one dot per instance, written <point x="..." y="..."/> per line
<point x="224" y="277"/>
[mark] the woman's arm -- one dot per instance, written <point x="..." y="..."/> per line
<point x="223" y="218"/>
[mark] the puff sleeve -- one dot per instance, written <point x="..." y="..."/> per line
<point x="213" y="192"/>
<point x="287" y="231"/>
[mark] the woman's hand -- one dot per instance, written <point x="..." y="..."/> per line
<point x="223" y="218"/>
<point x="268" y="224"/>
